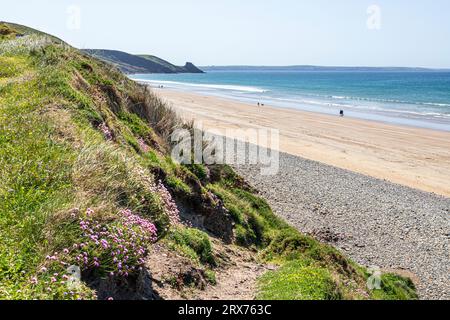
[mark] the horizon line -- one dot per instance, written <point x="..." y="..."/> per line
<point x="323" y="66"/>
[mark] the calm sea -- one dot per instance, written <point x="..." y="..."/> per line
<point x="419" y="99"/>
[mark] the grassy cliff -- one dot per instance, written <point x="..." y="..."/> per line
<point x="129" y="63"/>
<point x="88" y="186"/>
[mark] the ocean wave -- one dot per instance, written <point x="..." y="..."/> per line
<point x="207" y="86"/>
<point x="316" y="102"/>
<point x="433" y="104"/>
<point x="436" y="104"/>
<point x="396" y="107"/>
<point x="362" y="108"/>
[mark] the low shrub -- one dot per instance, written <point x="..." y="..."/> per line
<point x="195" y="243"/>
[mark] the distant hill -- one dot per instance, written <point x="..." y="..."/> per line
<point x="306" y="68"/>
<point x="130" y="63"/>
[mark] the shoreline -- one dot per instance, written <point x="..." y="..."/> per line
<point x="410" y="118"/>
<point x="415" y="157"/>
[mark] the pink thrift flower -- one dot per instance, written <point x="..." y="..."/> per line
<point x="105" y="130"/>
<point x="143" y="146"/>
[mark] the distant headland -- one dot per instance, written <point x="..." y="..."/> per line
<point x="132" y="64"/>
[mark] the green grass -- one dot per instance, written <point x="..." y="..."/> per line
<point x="12" y="66"/>
<point x="298" y="280"/>
<point x="136" y="124"/>
<point x="255" y="222"/>
<point x="35" y="171"/>
<point x="394" y="287"/>
<point x="211" y="277"/>
<point x="199" y="170"/>
<point x="53" y="158"/>
<point x="194" y="244"/>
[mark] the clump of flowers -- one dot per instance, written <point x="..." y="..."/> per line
<point x="114" y="250"/>
<point x="106" y="132"/>
<point x="118" y="249"/>
<point x="143" y="146"/>
<point x="169" y="204"/>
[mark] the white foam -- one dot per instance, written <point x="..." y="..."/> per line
<point x="362" y="108"/>
<point x="206" y="86"/>
<point x="322" y="101"/>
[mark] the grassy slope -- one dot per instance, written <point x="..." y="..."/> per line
<point x="55" y="163"/>
<point x="129" y="63"/>
<point x="162" y="62"/>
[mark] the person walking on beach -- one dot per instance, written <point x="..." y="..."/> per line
<point x="341" y="113"/>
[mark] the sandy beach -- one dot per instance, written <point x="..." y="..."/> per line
<point x="363" y="187"/>
<point x="414" y="157"/>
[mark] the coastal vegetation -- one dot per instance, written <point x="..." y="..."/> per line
<point x="88" y="190"/>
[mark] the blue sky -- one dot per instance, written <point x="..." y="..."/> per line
<point x="253" y="32"/>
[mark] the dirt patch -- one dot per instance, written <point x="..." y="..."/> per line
<point x="175" y="277"/>
<point x="238" y="280"/>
